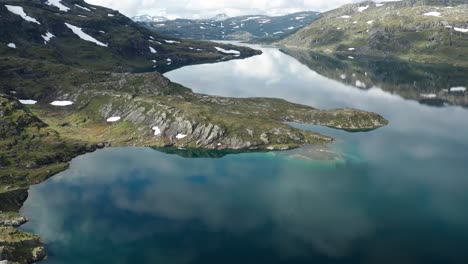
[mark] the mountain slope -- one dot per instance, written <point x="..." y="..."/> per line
<point x="105" y="39"/>
<point x="255" y="27"/>
<point x="433" y="31"/>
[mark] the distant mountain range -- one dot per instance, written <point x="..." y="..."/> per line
<point x="220" y="17"/>
<point x="426" y="31"/>
<point x="148" y="18"/>
<point x="222" y="27"/>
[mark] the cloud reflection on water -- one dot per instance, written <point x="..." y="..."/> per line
<point x="406" y="177"/>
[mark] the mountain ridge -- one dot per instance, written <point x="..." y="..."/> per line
<point x="246" y="28"/>
<point x="106" y="39"/>
<point x="409" y="30"/>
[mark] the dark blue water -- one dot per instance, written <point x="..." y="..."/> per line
<point x="394" y="195"/>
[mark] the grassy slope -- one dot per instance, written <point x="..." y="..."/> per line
<point x="398" y="29"/>
<point x="31" y="152"/>
<point x="149" y="99"/>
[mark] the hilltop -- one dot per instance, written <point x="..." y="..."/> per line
<point x="433" y="31"/>
<point x="73" y="32"/>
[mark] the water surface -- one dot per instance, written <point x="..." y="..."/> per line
<point x="394" y="195"/>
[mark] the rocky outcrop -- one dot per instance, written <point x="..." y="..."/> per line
<point x="14" y="221"/>
<point x="20" y="247"/>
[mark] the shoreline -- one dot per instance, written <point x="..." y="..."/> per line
<point x="41" y="140"/>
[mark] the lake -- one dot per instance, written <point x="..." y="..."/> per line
<point x="394" y="195"/>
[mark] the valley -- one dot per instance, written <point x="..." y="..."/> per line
<point x="253" y="28"/>
<point x="76" y="77"/>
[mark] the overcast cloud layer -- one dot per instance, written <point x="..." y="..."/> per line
<point x="208" y="8"/>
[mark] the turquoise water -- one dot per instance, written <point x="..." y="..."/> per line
<point x="394" y="195"/>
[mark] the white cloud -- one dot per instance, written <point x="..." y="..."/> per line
<point x="209" y="8"/>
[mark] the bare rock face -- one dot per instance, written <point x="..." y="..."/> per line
<point x="12" y="220"/>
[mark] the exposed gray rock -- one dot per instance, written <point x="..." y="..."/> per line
<point x="15" y="221"/>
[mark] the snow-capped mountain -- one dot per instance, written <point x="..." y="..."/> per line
<point x="248" y="28"/>
<point x="73" y="32"/>
<point x="219" y="17"/>
<point x="148" y="18"/>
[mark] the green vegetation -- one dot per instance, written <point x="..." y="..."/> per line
<point x="38" y="141"/>
<point x="398" y="29"/>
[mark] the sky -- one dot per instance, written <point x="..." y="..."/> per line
<point x="208" y="8"/>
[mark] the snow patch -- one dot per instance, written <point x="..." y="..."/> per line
<point x="79" y="32"/>
<point x="343" y="76"/>
<point x="12" y="45"/>
<point x="47" y="37"/>
<point x="58" y="4"/>
<point x="231" y="51"/>
<point x="156" y="130"/>
<point x="458" y="89"/>
<point x="464" y="30"/>
<point x="110" y="15"/>
<point x="82" y="7"/>
<point x="429" y="96"/>
<point x="370" y="22"/>
<point x="61" y="103"/>
<point x="152" y="50"/>
<point x="362" y="8"/>
<point x="18" y="10"/>
<point x="351" y="57"/>
<point x="434" y="14"/>
<point x="345" y="17"/>
<point x="360" y="84"/>
<point x="250" y="18"/>
<point x="113" y="119"/>
<point x="28" y="102"/>
<point x="171" y="41"/>
<point x="351" y="49"/>
<point x="181" y="136"/>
